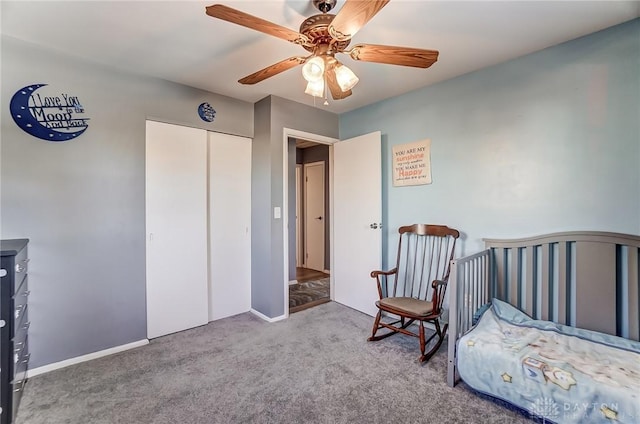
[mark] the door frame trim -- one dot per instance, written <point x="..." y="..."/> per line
<point x="306" y="218"/>
<point x="299" y="211"/>
<point x="293" y="133"/>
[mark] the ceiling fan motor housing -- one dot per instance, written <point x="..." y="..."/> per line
<point x="316" y="28"/>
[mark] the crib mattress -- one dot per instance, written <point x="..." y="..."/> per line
<point x="559" y="373"/>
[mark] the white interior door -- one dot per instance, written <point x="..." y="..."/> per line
<point x="176" y="227"/>
<point x="357" y="215"/>
<point x="229" y="225"/>
<point x="314" y="216"/>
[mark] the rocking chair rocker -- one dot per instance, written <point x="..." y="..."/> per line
<point x="424" y="256"/>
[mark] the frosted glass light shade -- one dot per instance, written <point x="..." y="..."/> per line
<point x="345" y="77"/>
<point x="315" y="88"/>
<point x="313" y="70"/>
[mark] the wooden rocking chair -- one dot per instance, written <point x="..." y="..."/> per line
<point x="414" y="290"/>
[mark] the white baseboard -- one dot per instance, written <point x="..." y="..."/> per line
<point x="266" y="318"/>
<point x="326" y="271"/>
<point x="292" y="282"/>
<point x="78" y="359"/>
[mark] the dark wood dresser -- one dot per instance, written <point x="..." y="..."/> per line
<point x="14" y="324"/>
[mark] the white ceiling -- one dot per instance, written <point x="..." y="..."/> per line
<point x="177" y="41"/>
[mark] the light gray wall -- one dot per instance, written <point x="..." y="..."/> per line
<point x="547" y="142"/>
<point x="81" y="203"/>
<point x="274" y="114"/>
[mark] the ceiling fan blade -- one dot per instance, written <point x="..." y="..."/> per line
<point x="237" y="17"/>
<point x="272" y="70"/>
<point x="353" y="16"/>
<point x="336" y="91"/>
<point x="405" y="56"/>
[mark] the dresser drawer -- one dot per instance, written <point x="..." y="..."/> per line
<point x="17" y="388"/>
<point x="20" y="268"/>
<point x="21" y="358"/>
<point x="20" y="299"/>
<point x="21" y="325"/>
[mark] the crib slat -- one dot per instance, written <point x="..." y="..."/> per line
<point x="596" y="262"/>
<point x="634" y="283"/>
<point x="546" y="282"/>
<point x="563" y="282"/>
<point x="514" y="278"/>
<point x="529" y="284"/>
<point x="499" y="277"/>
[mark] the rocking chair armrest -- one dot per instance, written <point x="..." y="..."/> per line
<point x="437" y="283"/>
<point x="439" y="289"/>
<point x="382" y="281"/>
<point x="375" y="274"/>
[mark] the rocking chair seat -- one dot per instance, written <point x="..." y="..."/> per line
<point x="406" y="305"/>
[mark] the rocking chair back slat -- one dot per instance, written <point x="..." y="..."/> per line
<point x="423" y="256"/>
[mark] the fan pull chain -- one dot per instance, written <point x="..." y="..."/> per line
<point x="326" y="102"/>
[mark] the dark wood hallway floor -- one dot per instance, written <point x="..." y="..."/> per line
<point x="306" y="274"/>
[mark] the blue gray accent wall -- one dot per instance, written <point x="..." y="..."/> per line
<point x="81" y="202"/>
<point x="546" y="142"/>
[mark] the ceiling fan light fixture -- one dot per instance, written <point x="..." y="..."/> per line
<point x="313" y="70"/>
<point x="345" y="77"/>
<point x="315" y="88"/>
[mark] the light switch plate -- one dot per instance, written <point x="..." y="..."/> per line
<point x="276" y="212"/>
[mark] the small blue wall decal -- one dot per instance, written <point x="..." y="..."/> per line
<point x="51" y="118"/>
<point x="206" y="112"/>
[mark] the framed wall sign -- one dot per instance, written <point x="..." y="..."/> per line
<point x="412" y="163"/>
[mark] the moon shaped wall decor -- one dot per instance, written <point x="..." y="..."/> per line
<point x="51" y="118"/>
<point x="206" y="112"/>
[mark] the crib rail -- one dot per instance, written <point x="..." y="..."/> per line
<point x="471" y="286"/>
<point x="583" y="279"/>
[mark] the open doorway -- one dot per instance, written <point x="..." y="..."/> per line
<point x="311" y="284"/>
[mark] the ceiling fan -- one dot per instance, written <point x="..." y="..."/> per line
<point x="324" y="35"/>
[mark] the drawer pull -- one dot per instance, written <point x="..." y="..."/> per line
<point x="18" y="311"/>
<point x="26" y="358"/>
<point x="27" y="293"/>
<point x="26" y="325"/>
<point x="20" y="268"/>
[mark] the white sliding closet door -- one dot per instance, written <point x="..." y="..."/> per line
<point x="176" y="228"/>
<point x="229" y="225"/>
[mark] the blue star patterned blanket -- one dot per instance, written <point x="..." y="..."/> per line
<point x="559" y="373"/>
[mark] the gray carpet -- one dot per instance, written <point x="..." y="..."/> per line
<point x="315" y="367"/>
